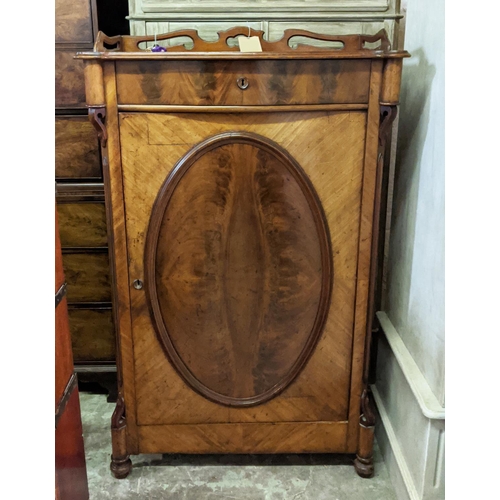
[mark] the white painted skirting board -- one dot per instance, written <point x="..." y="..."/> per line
<point x="394" y="444"/>
<point x="426" y="399"/>
<point x="425" y="484"/>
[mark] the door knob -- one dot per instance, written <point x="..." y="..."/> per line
<point x="138" y="284"/>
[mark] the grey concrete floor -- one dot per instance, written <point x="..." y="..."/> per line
<point x="214" y="477"/>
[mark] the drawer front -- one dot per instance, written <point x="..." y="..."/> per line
<point x="92" y="334"/>
<point x="77" y="149"/>
<point x="266" y="82"/>
<point x="82" y="224"/>
<point x="70" y="84"/>
<point x="73" y="22"/>
<point x="88" y="277"/>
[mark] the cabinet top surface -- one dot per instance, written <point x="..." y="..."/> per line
<point x="293" y="45"/>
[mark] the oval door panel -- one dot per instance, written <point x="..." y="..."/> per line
<point x="238" y="268"/>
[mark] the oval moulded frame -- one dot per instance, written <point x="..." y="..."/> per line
<point x="153" y="232"/>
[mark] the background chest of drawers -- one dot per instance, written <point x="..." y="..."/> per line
<point x="80" y="200"/>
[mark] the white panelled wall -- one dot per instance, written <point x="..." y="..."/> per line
<point x="409" y="388"/>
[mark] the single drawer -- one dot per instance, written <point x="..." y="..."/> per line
<point x="77" y="149"/>
<point x="88" y="277"/>
<point x="70" y="84"/>
<point x="92" y="334"/>
<point x="82" y="224"/>
<point x="233" y="83"/>
<point x="73" y="22"/>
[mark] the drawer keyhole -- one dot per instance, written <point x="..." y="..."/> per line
<point x="138" y="284"/>
<point x="242" y="82"/>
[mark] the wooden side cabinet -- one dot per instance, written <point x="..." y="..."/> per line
<point x="243" y="192"/>
<point x="81" y="203"/>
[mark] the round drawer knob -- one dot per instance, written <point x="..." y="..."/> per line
<point x="138" y="284"/>
<point x="242" y="82"/>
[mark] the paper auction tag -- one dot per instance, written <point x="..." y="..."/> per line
<point x="249" y="44"/>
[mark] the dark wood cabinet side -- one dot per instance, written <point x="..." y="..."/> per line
<point x="71" y="474"/>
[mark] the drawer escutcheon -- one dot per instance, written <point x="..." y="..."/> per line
<point x="242" y="82"/>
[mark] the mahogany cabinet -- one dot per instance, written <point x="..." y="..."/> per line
<point x="81" y="201"/>
<point x="243" y="197"/>
<point x="71" y="474"/>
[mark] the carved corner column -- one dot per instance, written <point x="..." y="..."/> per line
<point x="387" y="115"/>
<point x="363" y="463"/>
<point x="121" y="465"/>
<point x="96" y="102"/>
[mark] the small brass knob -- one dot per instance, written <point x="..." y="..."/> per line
<point x="138" y="284"/>
<point x="242" y="82"/>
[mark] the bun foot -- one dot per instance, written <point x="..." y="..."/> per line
<point x="364" y="467"/>
<point x="121" y="465"/>
<point x="363" y="464"/>
<point x="121" y="468"/>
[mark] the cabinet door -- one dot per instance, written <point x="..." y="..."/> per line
<point x="244" y="231"/>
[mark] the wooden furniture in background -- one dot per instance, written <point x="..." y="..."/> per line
<point x="71" y="474"/>
<point x="243" y="196"/>
<point x="81" y="204"/>
<point x="329" y="17"/>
